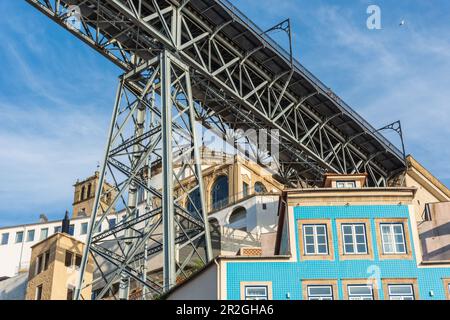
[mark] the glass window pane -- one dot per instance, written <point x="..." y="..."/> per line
<point x="322" y="249"/>
<point x="400" y="248"/>
<point x="321" y="230"/>
<point x="360" y="239"/>
<point x="388" y="248"/>
<point x="44" y="233"/>
<point x="347" y="229"/>
<point x="309" y="230"/>
<point x="318" y="291"/>
<point x="349" y="248"/>
<point x="360" y="290"/>
<point x="401" y="289"/>
<point x="359" y="229"/>
<point x="19" y="237"/>
<point x="309" y="240"/>
<point x="348" y="239"/>
<point x="399" y="238"/>
<point x="398" y="229"/>
<point x="310" y="249"/>
<point x="321" y="240"/>
<point x="385" y="229"/>
<point x="5" y="238"/>
<point x="362" y="248"/>
<point x="256" y="291"/>
<point x="30" y="236"/>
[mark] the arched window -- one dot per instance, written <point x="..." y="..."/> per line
<point x="238" y="219"/>
<point x="260" y="188"/>
<point x="82" y="193"/>
<point x="219" y="193"/>
<point x="194" y="203"/>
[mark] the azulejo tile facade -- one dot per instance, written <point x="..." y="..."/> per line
<point x="391" y="270"/>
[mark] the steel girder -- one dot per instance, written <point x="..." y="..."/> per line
<point x="132" y="32"/>
<point x="152" y="133"/>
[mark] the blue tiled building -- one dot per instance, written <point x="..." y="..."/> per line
<point x="336" y="243"/>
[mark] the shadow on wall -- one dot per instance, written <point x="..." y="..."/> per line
<point x="434" y="232"/>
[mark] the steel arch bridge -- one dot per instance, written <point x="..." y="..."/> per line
<point x="202" y="60"/>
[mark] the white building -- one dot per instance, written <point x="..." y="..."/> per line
<point x="16" y="241"/>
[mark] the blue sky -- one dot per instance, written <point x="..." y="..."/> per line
<point x="56" y="94"/>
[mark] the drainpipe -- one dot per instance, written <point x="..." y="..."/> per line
<point x="21" y="251"/>
<point x="219" y="278"/>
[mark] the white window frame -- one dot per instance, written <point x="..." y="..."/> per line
<point x="360" y="296"/>
<point x="41" y="237"/>
<point x="31" y="232"/>
<point x="256" y="297"/>
<point x="82" y="231"/>
<point x="354" y="242"/>
<point x="320" y="297"/>
<point x="350" y="184"/>
<point x="392" y="237"/>
<point x="4" y="242"/>
<point x="397" y="296"/>
<point x="315" y="237"/>
<point x="17" y="235"/>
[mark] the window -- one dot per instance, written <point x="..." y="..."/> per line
<point x="57" y="229"/>
<point x="19" y="237"/>
<point x="70" y="294"/>
<point x="393" y="238"/>
<point x="39" y="292"/>
<point x="39" y="264"/>
<point x="256" y="293"/>
<point x="354" y="238"/>
<point x="194" y="202"/>
<point x="84" y="228"/>
<point x="89" y="191"/>
<point x="260" y="188"/>
<point x="78" y="261"/>
<point x="401" y="292"/>
<point x="72" y="229"/>
<point x="112" y="223"/>
<point x="46" y="260"/>
<point x="360" y="292"/>
<point x="219" y="193"/>
<point x="99" y="226"/>
<point x="141" y="195"/>
<point x="320" y="292"/>
<point x="68" y="259"/>
<point x="315" y="239"/>
<point x="346" y="184"/>
<point x="30" y="235"/>
<point x="245" y="189"/>
<point x="82" y="193"/>
<point x="5" y="239"/>
<point x="44" y="234"/>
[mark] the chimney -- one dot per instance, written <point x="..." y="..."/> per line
<point x="43" y="218"/>
<point x="65" y="228"/>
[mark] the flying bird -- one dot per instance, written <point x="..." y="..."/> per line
<point x="402" y="23"/>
